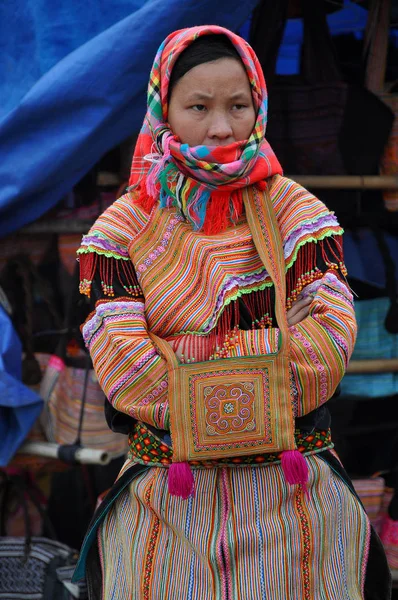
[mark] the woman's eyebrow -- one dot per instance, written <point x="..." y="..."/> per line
<point x="239" y="94"/>
<point x="199" y="96"/>
<point x="205" y="96"/>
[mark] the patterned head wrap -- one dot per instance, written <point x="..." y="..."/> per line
<point x="194" y="178"/>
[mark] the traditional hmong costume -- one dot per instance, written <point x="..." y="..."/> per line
<point x="231" y="489"/>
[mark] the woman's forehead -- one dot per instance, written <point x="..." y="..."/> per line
<point x="226" y="75"/>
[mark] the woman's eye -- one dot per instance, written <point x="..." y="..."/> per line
<point x="239" y="106"/>
<point x="199" y="107"/>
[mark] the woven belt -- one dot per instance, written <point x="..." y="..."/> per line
<point x="150" y="448"/>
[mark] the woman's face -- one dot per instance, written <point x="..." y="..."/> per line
<point x="212" y="104"/>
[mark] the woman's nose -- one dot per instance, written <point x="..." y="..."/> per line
<point x="220" y="127"/>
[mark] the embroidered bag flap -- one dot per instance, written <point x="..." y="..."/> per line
<point x="236" y="406"/>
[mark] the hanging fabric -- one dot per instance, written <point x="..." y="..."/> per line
<point x="319" y="124"/>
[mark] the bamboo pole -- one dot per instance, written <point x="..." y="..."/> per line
<point x="321" y="182"/>
<point x="379" y="365"/>
<point x="86" y="456"/>
<point x="348" y="182"/>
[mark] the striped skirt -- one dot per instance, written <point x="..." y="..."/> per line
<point x="246" y="535"/>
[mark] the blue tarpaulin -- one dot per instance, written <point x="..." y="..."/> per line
<point x="350" y="19"/>
<point x="36" y="34"/>
<point x="88" y="102"/>
<point x="19" y="406"/>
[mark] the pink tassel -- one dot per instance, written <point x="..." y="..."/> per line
<point x="294" y="467"/>
<point x="56" y="363"/>
<point x="152" y="178"/>
<point x="153" y="175"/>
<point x="181" y="481"/>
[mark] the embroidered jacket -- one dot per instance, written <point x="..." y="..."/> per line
<point x="210" y="296"/>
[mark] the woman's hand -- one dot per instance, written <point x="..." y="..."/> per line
<point x="299" y="311"/>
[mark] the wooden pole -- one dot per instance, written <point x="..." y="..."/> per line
<point x="346" y="182"/>
<point x="379" y="365"/>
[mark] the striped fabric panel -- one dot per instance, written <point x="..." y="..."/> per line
<point x="302" y="219"/>
<point x="254" y="537"/>
<point x="371" y="492"/>
<point x="112" y="233"/>
<point x="132" y="375"/>
<point x="240" y="343"/>
<point x="188" y="278"/>
<point x="253" y="342"/>
<point x="65" y="408"/>
<point x="322" y="344"/>
<point x="188" y="285"/>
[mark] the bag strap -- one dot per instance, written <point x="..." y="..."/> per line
<point x="78" y="441"/>
<point x="267" y="238"/>
<point x="165" y="349"/>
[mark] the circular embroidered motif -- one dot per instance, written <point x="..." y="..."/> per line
<point x="229" y="408"/>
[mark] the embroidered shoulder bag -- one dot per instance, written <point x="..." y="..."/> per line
<point x="236" y="406"/>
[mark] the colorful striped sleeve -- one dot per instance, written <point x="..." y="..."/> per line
<point x="322" y="344"/>
<point x="132" y="375"/>
<point x="129" y="370"/>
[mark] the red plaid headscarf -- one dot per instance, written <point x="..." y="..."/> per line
<point x="203" y="182"/>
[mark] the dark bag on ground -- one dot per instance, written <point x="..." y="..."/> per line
<point x="33" y="567"/>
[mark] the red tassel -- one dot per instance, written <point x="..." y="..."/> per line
<point x="294" y="467"/>
<point x="181" y="481"/>
<point x="145" y="201"/>
<point x="262" y="185"/>
<point x="219" y="209"/>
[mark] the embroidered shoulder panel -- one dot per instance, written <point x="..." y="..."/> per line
<point x="189" y="279"/>
<point x="302" y="217"/>
<point x="114" y="230"/>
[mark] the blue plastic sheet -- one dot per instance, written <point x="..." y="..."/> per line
<point x="89" y="102"/>
<point x="350" y="19"/>
<point x="36" y="34"/>
<point x="19" y="406"/>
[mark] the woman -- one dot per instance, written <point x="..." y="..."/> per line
<point x="245" y="498"/>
